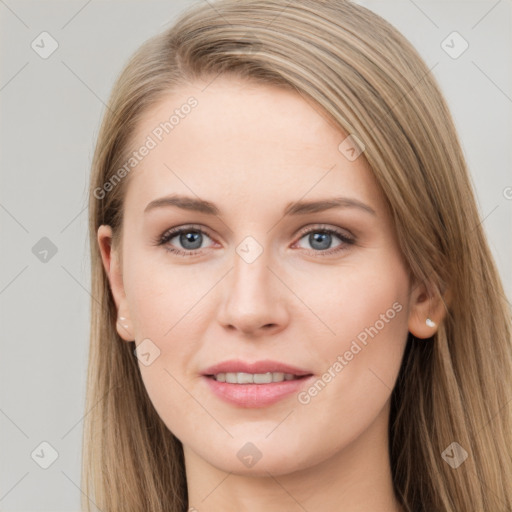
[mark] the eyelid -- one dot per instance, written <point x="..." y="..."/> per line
<point x="178" y="229"/>
<point x="347" y="240"/>
<point x="341" y="232"/>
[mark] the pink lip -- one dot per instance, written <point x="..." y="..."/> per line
<point x="255" y="395"/>
<point x="236" y="366"/>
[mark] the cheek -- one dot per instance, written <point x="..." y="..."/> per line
<point x="166" y="308"/>
<point x="364" y="312"/>
<point x="162" y="295"/>
<point x="351" y="298"/>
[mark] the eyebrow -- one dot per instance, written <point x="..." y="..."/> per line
<point x="296" y="208"/>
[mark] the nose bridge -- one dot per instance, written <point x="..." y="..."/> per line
<point x="253" y="298"/>
<point x="250" y="273"/>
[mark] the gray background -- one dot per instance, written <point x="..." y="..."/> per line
<point x="50" y="115"/>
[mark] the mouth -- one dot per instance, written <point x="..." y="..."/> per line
<point x="255" y="378"/>
<point x="263" y="391"/>
<point x="255" y="384"/>
<point x="236" y="371"/>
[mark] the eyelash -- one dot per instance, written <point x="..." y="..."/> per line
<point x="170" y="234"/>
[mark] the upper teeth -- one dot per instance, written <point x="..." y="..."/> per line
<point x="253" y="378"/>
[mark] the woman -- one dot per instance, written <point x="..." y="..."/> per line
<point x="295" y="306"/>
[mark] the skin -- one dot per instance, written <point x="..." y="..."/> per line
<point x="252" y="150"/>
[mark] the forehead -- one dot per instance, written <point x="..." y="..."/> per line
<point x="235" y="139"/>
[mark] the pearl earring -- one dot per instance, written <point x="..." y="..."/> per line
<point x="121" y="323"/>
<point x="430" y="322"/>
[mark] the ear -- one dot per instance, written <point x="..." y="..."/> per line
<point x="426" y="312"/>
<point x="111" y="263"/>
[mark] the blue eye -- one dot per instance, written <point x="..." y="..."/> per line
<point x="321" y="239"/>
<point x="191" y="239"/>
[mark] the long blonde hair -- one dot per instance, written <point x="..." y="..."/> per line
<point x="370" y="82"/>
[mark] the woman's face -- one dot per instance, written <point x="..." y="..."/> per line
<point x="258" y="275"/>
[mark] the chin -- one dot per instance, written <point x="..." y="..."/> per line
<point x="259" y="458"/>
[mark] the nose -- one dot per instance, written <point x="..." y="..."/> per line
<point x="254" y="299"/>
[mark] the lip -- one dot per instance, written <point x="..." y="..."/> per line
<point x="264" y="366"/>
<point x="255" y="395"/>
